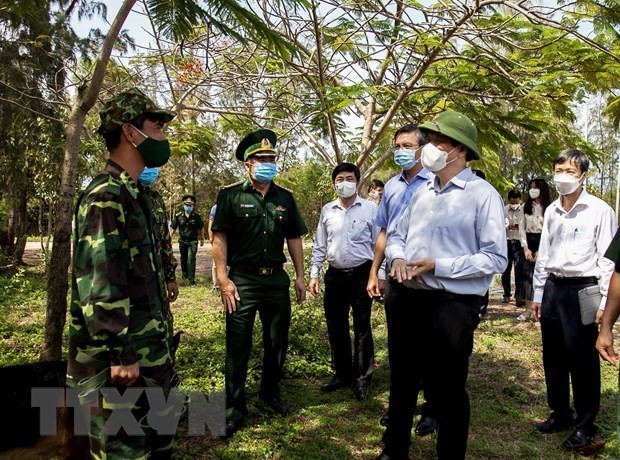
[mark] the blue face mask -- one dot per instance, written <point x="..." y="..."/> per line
<point x="188" y="208"/>
<point x="405" y="158"/>
<point x="265" y="172"/>
<point x="148" y="175"/>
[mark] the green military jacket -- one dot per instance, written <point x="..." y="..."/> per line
<point x="163" y="242"/>
<point x="117" y="313"/>
<point x="257" y="226"/>
<point x="188" y="226"/>
<point x="613" y="251"/>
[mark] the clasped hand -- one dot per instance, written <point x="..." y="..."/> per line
<point x="405" y="271"/>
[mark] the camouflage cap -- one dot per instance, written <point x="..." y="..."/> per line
<point x="126" y="106"/>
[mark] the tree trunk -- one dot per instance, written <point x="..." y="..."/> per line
<point x="21" y="229"/>
<point x="57" y="277"/>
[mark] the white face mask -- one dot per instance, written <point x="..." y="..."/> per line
<point x="434" y="159"/>
<point x="534" y="193"/>
<point x="566" y="184"/>
<point x="514" y="207"/>
<point x="346" y="189"/>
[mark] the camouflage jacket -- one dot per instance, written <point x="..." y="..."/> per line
<point x="163" y="242"/>
<point x="117" y="298"/>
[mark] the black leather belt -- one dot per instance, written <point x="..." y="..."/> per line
<point x="569" y="280"/>
<point x="366" y="264"/>
<point x="261" y="271"/>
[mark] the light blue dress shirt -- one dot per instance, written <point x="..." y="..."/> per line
<point x="395" y="199"/>
<point x="461" y="227"/>
<point x="345" y="237"/>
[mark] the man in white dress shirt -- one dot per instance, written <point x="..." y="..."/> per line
<point x="577" y="230"/>
<point x="345" y="237"/>
<point x="444" y="252"/>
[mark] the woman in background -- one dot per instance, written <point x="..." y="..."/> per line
<point x="533" y="213"/>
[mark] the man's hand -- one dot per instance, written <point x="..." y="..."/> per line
<point x="605" y="346"/>
<point x="313" y="287"/>
<point x="599" y="315"/>
<point x="125" y="375"/>
<point x="375" y="286"/>
<point x="418" y="267"/>
<point x="300" y="289"/>
<point x="230" y="295"/>
<point x="536" y="310"/>
<point x="173" y="291"/>
<point x="399" y="270"/>
<point x="202" y="242"/>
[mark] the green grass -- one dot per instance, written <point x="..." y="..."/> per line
<point x="506" y="383"/>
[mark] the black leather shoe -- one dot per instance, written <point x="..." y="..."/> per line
<point x="276" y="405"/>
<point x="362" y="392"/>
<point x="334" y="384"/>
<point x="553" y="425"/>
<point x="231" y="428"/>
<point x="385" y="455"/>
<point x="385" y="420"/>
<point x="579" y="439"/>
<point x="426" y="426"/>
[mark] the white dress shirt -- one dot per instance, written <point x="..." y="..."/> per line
<point x="461" y="227"/>
<point x="345" y="237"/>
<point x="513" y="217"/>
<point x="573" y="243"/>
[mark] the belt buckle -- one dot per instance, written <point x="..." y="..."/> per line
<point x="265" y="271"/>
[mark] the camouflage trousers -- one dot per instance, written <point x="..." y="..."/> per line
<point x="142" y="442"/>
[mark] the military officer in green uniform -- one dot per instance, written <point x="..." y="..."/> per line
<point x="251" y="223"/>
<point x="119" y="331"/>
<point x="190" y="227"/>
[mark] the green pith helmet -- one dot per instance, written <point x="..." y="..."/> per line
<point x="456" y="126"/>
<point x="125" y="106"/>
<point x="259" y="143"/>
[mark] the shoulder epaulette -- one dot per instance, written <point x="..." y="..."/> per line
<point x="103" y="182"/>
<point x="233" y="185"/>
<point x="283" y="188"/>
<point x="114" y="186"/>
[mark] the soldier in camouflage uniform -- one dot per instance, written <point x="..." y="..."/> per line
<point x="163" y="241"/>
<point x="119" y="331"/>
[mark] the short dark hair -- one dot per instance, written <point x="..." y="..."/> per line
<point x="412" y="128"/>
<point x="113" y="138"/>
<point x="479" y="173"/>
<point x="574" y="155"/>
<point x="514" y="193"/>
<point x="374" y="184"/>
<point x="346" y="167"/>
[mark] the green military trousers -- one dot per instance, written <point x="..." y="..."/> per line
<point x="269" y="295"/>
<point x="188" y="250"/>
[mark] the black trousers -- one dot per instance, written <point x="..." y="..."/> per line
<point x="344" y="290"/>
<point x="434" y="345"/>
<point x="569" y="354"/>
<point x="515" y="254"/>
<point x="398" y="320"/>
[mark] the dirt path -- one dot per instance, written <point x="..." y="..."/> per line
<point x="33" y="255"/>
